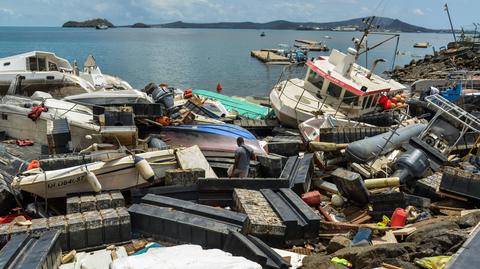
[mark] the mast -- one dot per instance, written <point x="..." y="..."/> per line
<point x="451" y="25"/>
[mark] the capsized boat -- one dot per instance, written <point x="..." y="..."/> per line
<point x="111" y="98"/>
<point x="25" y="73"/>
<point x="243" y="107"/>
<point x="116" y="174"/>
<point x="16" y="123"/>
<point x="210" y="137"/>
<point x="332" y="85"/>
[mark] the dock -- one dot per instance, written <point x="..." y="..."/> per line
<point x="269" y="57"/>
<point x="311" y="45"/>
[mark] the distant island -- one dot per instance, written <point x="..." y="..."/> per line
<point x="88" y="23"/>
<point x="383" y="23"/>
<point x="140" y="25"/>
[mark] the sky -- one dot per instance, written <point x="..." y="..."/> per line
<point x="426" y="13"/>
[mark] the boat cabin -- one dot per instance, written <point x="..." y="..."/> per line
<point x="341" y="83"/>
<point x="35" y="61"/>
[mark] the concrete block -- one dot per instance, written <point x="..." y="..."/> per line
<point x="117" y="199"/>
<point x="77" y="233"/>
<point x="261" y="218"/>
<point x="94" y="228"/>
<point x="104" y="201"/>
<point x="183" y="177"/>
<point x="60" y="223"/>
<point x="125" y="224"/>
<point x="73" y="204"/>
<point x="111" y="228"/>
<point x="87" y="203"/>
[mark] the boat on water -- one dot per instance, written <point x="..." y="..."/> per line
<point x="44" y="71"/>
<point x="19" y="120"/>
<point x="421" y="45"/>
<point x="118" y="174"/>
<point x="262" y="34"/>
<point x="334" y="85"/>
<point x="101" y="27"/>
<point x="210" y="137"/>
<point x="243" y="107"/>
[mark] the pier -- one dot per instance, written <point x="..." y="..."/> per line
<point x="269" y="57"/>
<point x="311" y="45"/>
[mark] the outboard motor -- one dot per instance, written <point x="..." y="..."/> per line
<point x="412" y="164"/>
<point x="165" y="96"/>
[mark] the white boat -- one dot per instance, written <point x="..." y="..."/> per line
<point x="111" y="98"/>
<point x="45" y="71"/>
<point x="14" y="120"/>
<point x="310" y="129"/>
<point x="333" y="85"/>
<point x="119" y="174"/>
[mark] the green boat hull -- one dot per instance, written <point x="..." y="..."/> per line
<point x="243" y="107"/>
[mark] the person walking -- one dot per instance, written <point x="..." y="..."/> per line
<point x="243" y="155"/>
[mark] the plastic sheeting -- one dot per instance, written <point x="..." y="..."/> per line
<point x="184" y="256"/>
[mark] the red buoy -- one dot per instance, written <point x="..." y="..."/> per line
<point x="219" y="88"/>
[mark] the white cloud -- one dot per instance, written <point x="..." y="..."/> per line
<point x="7" y="11"/>
<point x="418" y="12"/>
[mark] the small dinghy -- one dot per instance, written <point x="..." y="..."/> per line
<point x="119" y="174"/>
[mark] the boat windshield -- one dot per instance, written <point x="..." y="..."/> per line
<point x="334" y="90"/>
<point x="315" y="79"/>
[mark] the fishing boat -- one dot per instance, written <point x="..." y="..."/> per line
<point x="16" y="122"/>
<point x="101" y="27"/>
<point x="241" y="106"/>
<point x="23" y="74"/>
<point x="210" y="137"/>
<point x="119" y="174"/>
<point x="421" y="45"/>
<point x="334" y="85"/>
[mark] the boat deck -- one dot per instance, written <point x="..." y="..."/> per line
<point x="269" y="57"/>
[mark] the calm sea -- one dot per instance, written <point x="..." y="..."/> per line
<point x="198" y="58"/>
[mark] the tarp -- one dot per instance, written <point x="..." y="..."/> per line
<point x="184" y="256"/>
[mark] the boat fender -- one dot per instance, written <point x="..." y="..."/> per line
<point x="93" y="181"/>
<point x="144" y="169"/>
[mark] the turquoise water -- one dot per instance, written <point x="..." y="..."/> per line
<point x="198" y="58"/>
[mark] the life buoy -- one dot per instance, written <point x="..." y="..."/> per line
<point x="144" y="169"/>
<point x="93" y="181"/>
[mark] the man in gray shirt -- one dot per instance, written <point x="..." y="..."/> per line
<point x="243" y="155"/>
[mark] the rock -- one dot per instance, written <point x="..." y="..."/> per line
<point x="441" y="237"/>
<point x="426" y="232"/>
<point x="374" y="256"/>
<point x="317" y="261"/>
<point x="469" y="220"/>
<point x="338" y="242"/>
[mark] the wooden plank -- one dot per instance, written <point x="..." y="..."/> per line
<point x="192" y="157"/>
<point x="388" y="238"/>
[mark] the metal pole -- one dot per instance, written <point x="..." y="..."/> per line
<point x="451" y="25"/>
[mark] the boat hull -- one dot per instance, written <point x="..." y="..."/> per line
<point x="119" y="174"/>
<point x="220" y="137"/>
<point x="293" y="104"/>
